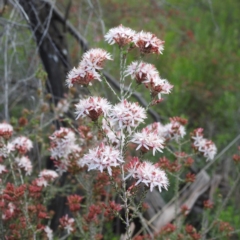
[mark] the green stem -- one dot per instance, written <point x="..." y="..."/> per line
<point x="176" y="189"/>
<point x="89" y="201"/>
<point x="79" y="224"/>
<point x="12" y="171"/>
<point x="125" y="203"/>
<point x="109" y="86"/>
<point x="25" y="210"/>
<point x="123" y="59"/>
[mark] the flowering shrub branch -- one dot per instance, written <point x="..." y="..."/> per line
<point x="107" y="160"/>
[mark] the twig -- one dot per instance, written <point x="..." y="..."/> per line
<point x="6" y="76"/>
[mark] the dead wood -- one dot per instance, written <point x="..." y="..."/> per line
<point x="188" y="198"/>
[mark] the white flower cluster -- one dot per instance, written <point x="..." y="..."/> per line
<point x="174" y="131"/>
<point x="45" y="177"/>
<point x="48" y="174"/>
<point x="6" y="130"/>
<point x="148" y="43"/>
<point x="147" y="173"/>
<point x="120" y="35"/>
<point x="67" y="223"/>
<point x="21" y="144"/>
<point x="145" y="41"/>
<point x="171" y="131"/>
<point x="127" y="115"/>
<point x="24" y="163"/>
<point x="204" y="146"/>
<point x="147" y="73"/>
<point x="88" y="68"/>
<point x="147" y="139"/>
<point x="63" y="143"/>
<point x="142" y="72"/>
<point x="100" y="158"/>
<point x="124" y="115"/>
<point x="92" y="107"/>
